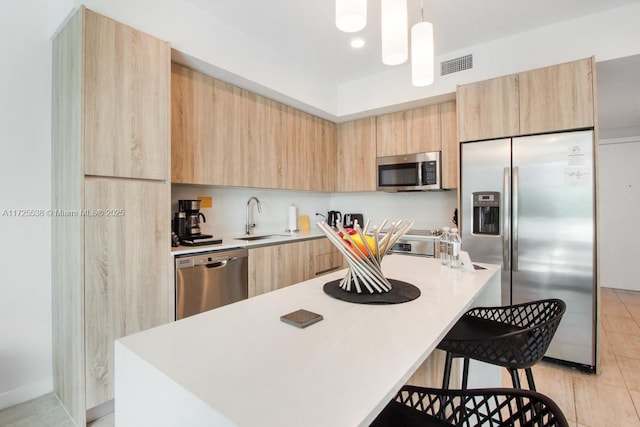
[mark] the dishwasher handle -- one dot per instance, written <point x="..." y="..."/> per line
<point x="221" y="263"/>
<point x="218" y="264"/>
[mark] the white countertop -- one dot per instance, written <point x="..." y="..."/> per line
<point x="276" y="237"/>
<point x="236" y="241"/>
<point x="240" y="365"/>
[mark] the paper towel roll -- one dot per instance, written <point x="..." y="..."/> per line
<point x="293" y="219"/>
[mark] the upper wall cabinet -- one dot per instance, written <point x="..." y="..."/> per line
<point x="125" y="94"/>
<point x="411" y="131"/>
<point x="559" y="97"/>
<point x="309" y="152"/>
<point x="197" y="109"/>
<point x="357" y="155"/>
<point x="423" y="129"/>
<point x="225" y="135"/>
<point x="488" y="109"/>
<point x="391" y="134"/>
<point x="324" y="152"/>
<point x="450" y="146"/>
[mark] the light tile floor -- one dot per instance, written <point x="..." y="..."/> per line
<point x="611" y="398"/>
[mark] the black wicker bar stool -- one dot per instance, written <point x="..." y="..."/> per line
<point x="424" y="407"/>
<point x="515" y="337"/>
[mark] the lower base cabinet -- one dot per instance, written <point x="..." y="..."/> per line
<point x="278" y="266"/>
<point x="326" y="257"/>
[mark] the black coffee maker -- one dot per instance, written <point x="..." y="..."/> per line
<point x="186" y="223"/>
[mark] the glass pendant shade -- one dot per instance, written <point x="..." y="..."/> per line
<point x="395" y="44"/>
<point x="422" y="61"/>
<point x="351" y="15"/>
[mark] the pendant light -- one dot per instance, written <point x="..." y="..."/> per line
<point x="351" y="15"/>
<point x="422" y="55"/>
<point x="395" y="44"/>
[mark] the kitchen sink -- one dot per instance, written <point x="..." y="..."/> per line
<point x="262" y="236"/>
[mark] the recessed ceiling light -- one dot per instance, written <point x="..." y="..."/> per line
<point x="357" y="43"/>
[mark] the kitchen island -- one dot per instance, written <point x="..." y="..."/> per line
<point x="240" y="365"/>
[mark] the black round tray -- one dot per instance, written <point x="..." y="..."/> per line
<point x="399" y="293"/>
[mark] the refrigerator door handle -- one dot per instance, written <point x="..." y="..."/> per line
<point x="506" y="191"/>
<point x="515" y="218"/>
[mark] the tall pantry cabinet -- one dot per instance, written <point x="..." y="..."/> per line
<point x="110" y="200"/>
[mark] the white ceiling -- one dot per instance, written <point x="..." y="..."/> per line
<point x="304" y="30"/>
<point x="304" y="33"/>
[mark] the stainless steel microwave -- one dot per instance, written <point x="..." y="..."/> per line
<point x="411" y="172"/>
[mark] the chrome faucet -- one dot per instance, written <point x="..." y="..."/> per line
<point x="250" y="225"/>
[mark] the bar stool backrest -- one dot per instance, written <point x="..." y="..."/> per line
<point x="535" y="324"/>
<point x="471" y="408"/>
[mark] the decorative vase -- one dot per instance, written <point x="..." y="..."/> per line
<point x="364" y="251"/>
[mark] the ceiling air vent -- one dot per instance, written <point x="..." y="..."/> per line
<point x="455" y="65"/>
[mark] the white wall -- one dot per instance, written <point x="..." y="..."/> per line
<point x="25" y="261"/>
<point x="227" y="217"/>
<point x="228" y="214"/>
<point x="619" y="204"/>
<point x="429" y="210"/>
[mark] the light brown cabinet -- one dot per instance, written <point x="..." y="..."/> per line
<point x="124" y="101"/>
<point x="326" y="257"/>
<point x="450" y="145"/>
<point x="356" y="163"/>
<point x="225" y="135"/>
<point x="312" y="161"/>
<point x="423" y="129"/>
<point x="265" y="143"/>
<point x="110" y="200"/>
<point x="252" y="144"/>
<point x="277" y="266"/>
<point x="197" y="111"/>
<point x="391" y="134"/>
<point x="324" y="157"/>
<point x="410" y="131"/>
<point x="237" y="130"/>
<point x="488" y="109"/>
<point x="559" y="97"/>
<point x="126" y="286"/>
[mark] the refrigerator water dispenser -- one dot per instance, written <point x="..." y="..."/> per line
<point x="486" y="213"/>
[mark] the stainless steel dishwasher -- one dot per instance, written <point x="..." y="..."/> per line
<point x="209" y="280"/>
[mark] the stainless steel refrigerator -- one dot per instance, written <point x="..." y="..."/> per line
<point x="528" y="203"/>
